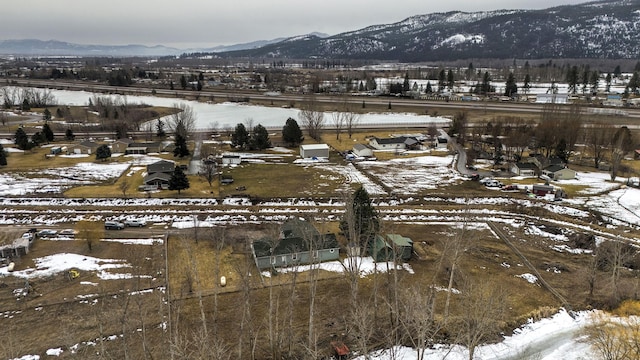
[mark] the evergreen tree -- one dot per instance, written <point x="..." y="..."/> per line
<point x="180" y="146"/>
<point x="22" y="140"/>
<point x="572" y="79"/>
<point x="199" y="86"/>
<point x="68" y="135"/>
<point x="486" y="84"/>
<point x="160" y="129"/>
<point x="36" y="139"/>
<point x="178" y="180"/>
<point x="183" y="82"/>
<point x="3" y="156"/>
<point x="260" y="138"/>
<point x="527" y="83"/>
<point x="442" y="79"/>
<point x="405" y="83"/>
<point x="561" y="151"/>
<point x="428" y="90"/>
<point x="617" y="72"/>
<point x="46" y="115"/>
<point x="103" y="152"/>
<point x="240" y="137"/>
<point x="171" y="86"/>
<point x="291" y="132"/>
<point x="48" y="133"/>
<point x="25" y="105"/>
<point x="360" y="223"/>
<point x="450" y="80"/>
<point x="511" y="88"/>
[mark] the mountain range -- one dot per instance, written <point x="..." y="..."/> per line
<point x="601" y="29"/>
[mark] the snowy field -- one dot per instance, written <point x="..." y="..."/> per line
<point x="555" y="338"/>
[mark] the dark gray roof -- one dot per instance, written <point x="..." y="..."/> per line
<point x="397" y="140"/>
<point x="526" y="166"/>
<point x="164" y="177"/>
<point x="554" y="168"/>
<point x="360" y="147"/>
<point x="163" y="166"/>
<point x="297" y="235"/>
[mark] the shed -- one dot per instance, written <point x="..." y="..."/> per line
<point x="231" y="159"/>
<point x="542" y="190"/>
<point x="403" y="246"/>
<point x="314" y="151"/>
<point x="362" y="150"/>
<point x="380" y="250"/>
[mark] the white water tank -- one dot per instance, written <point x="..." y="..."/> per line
<point x="223" y="281"/>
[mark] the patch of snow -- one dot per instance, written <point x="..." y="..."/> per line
<point x="529" y="277"/>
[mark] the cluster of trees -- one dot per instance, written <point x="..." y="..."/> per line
<point x="557" y="133"/>
<point x="258" y="139"/>
<point x="26" y="98"/>
<point x="23" y="142"/>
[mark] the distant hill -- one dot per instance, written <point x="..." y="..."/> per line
<point x="35" y="47"/>
<point x="602" y="29"/>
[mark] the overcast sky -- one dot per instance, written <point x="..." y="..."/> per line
<point x="204" y="23"/>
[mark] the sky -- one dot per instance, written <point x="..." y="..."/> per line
<point x="205" y="23"/>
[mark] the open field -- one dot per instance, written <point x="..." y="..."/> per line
<point x="143" y="291"/>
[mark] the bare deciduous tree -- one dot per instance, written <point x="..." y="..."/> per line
<point x="183" y="122"/>
<point x="312" y="118"/>
<point x="482" y="305"/>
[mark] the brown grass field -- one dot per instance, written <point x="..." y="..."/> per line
<point x="182" y="276"/>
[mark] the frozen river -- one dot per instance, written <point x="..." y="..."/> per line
<point x="228" y="115"/>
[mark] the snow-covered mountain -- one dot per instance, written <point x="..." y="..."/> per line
<point x="601" y="29"/>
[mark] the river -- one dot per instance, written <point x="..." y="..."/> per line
<point x="227" y="115"/>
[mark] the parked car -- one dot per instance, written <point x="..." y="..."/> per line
<point x="113" y="225"/>
<point x="493" y="183"/>
<point x="29" y="236"/>
<point x="135" y="223"/>
<point x="47" y="233"/>
<point x="512" y="187"/>
<point x="67" y="232"/>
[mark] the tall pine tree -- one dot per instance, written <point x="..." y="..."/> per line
<point x="180" y="147"/>
<point x="48" y="133"/>
<point x="291" y="132"/>
<point x="240" y="137"/>
<point x="3" y="156"/>
<point x="178" y="180"/>
<point x="360" y="223"/>
<point x="260" y="139"/>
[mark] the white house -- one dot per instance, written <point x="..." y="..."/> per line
<point x="314" y="151"/>
<point x="362" y="150"/>
<point x="524" y="169"/>
<point x="559" y="172"/>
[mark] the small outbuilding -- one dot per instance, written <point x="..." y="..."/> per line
<point x="402" y="246"/>
<point x="310" y="151"/>
<point x="362" y="150"/>
<point x="231" y="159"/>
<point x="542" y="190"/>
<point x="559" y="172"/>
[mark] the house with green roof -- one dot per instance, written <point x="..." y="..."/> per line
<point x="299" y="243"/>
<point x="403" y="246"/>
<point x="390" y="247"/>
